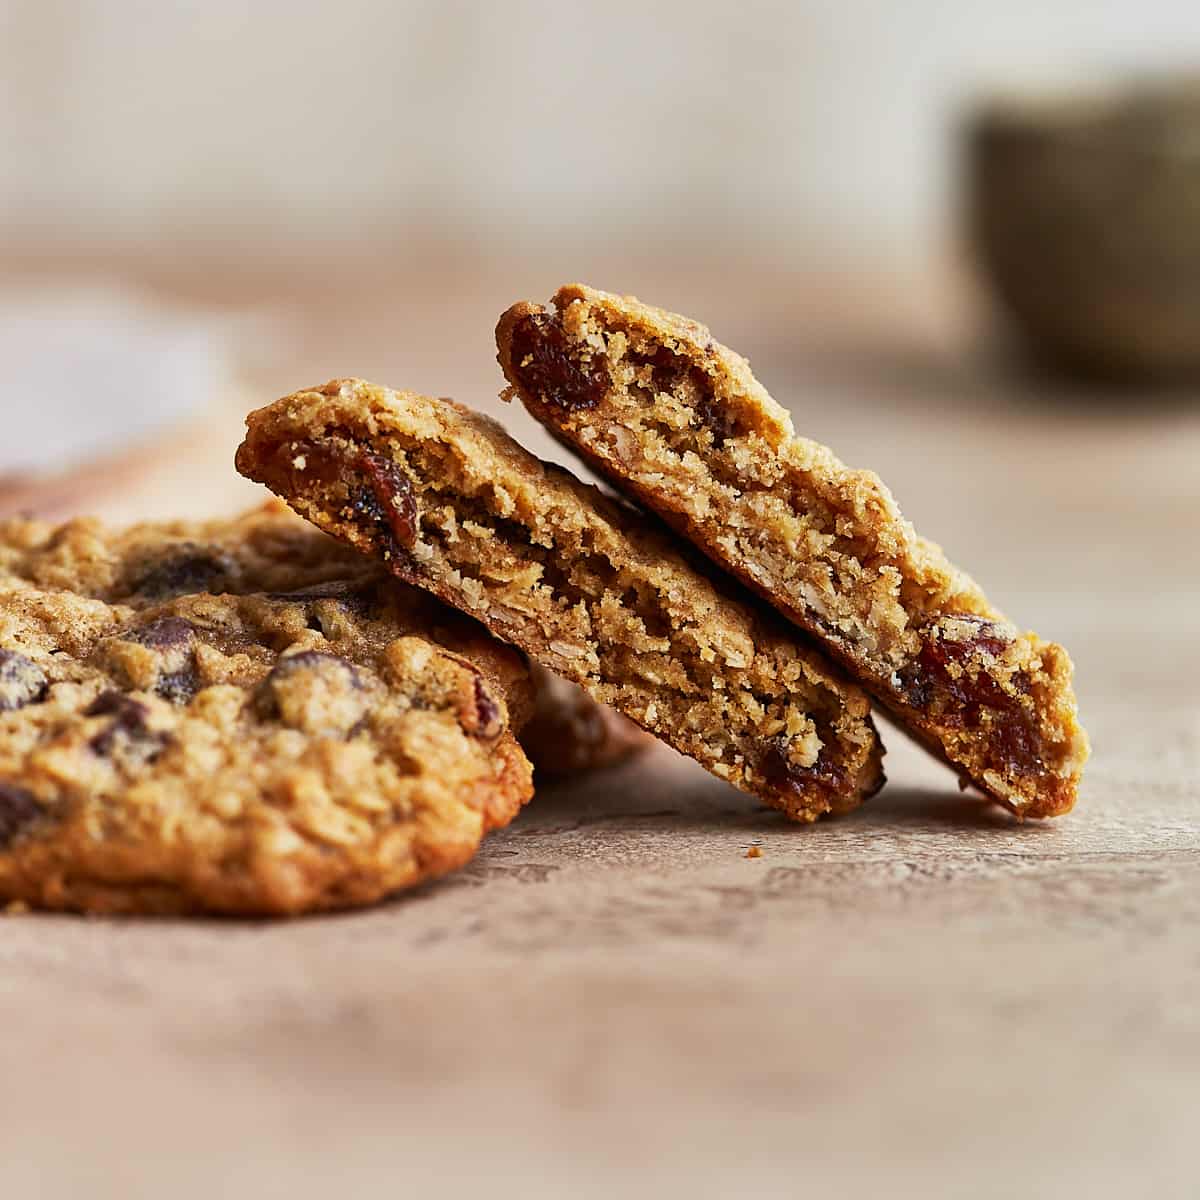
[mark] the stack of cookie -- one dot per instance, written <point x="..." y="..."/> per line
<point x="257" y="717"/>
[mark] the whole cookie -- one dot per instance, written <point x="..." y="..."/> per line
<point x="273" y="752"/>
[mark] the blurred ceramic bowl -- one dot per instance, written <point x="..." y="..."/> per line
<point x="1085" y="211"/>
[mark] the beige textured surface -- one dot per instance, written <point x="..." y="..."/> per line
<point x="922" y="999"/>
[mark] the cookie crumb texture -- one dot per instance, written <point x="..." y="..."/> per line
<point x="267" y="753"/>
<point x="650" y="400"/>
<point x="264" y="550"/>
<point x="592" y="591"/>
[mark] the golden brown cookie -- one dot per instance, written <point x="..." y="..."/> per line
<point x="597" y="593"/>
<point x="272" y="752"/>
<point x="569" y="733"/>
<point x="265" y="549"/>
<point x="650" y="400"/>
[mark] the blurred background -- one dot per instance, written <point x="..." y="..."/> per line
<point x="279" y="191"/>
<point x="207" y="205"/>
<point x="289" y="137"/>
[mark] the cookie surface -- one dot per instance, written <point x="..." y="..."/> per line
<point x="264" y="550"/>
<point x="651" y="401"/>
<point x="274" y="752"/>
<point x="569" y="733"/>
<point x="597" y="593"/>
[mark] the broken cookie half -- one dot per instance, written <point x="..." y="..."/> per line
<point x="594" y="591"/>
<point x="678" y="421"/>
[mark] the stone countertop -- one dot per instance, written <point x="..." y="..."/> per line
<point x="922" y="998"/>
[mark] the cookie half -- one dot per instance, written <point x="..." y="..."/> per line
<point x="596" y="592"/>
<point x="650" y="400"/>
<point x="264" y="753"/>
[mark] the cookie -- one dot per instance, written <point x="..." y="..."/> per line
<point x="570" y="734"/>
<point x="267" y="549"/>
<point x="595" y="592"/>
<point x="651" y="401"/>
<point x="272" y="752"/>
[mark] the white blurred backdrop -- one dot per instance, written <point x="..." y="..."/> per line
<point x="279" y="131"/>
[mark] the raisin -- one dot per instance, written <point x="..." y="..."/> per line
<point x="487" y="711"/>
<point x="987" y="636"/>
<point x="169" y="633"/>
<point x="543" y="362"/>
<point x="178" y="681"/>
<point x="1019" y="742"/>
<point x="667" y="369"/>
<point x="1016" y="742"/>
<point x="784" y="775"/>
<point x="670" y="371"/>
<point x="127" y="729"/>
<point x="18" y="809"/>
<point x="379" y="493"/>
<point x="717" y="419"/>
<point x="22" y="681"/>
<point x="486" y="717"/>
<point x="309" y="660"/>
<point x="393" y="495"/>
<point x="916" y="686"/>
<point x="182" y="571"/>
<point x="112" y="703"/>
<point x="366" y="507"/>
<point x="931" y="676"/>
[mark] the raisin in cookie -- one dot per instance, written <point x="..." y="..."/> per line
<point x="597" y="593"/>
<point x="272" y="752"/>
<point x="652" y="402"/>
<point x="569" y="733"/>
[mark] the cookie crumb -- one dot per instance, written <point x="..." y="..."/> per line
<point x="754" y="852"/>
